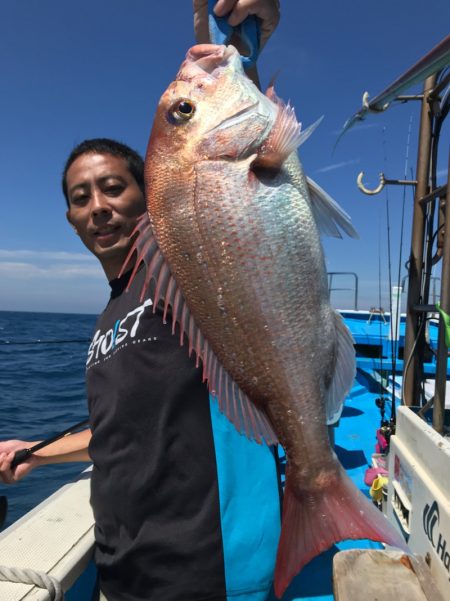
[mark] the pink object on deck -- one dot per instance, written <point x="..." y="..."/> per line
<point x="372" y="473"/>
<point x="382" y="444"/>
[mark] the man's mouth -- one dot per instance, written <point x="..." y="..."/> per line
<point x="106" y="235"/>
<point x="106" y="231"/>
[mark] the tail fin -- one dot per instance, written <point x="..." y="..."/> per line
<point x="313" y="523"/>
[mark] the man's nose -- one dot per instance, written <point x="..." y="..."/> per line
<point x="100" y="203"/>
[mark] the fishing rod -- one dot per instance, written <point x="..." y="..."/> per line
<point x="23" y="454"/>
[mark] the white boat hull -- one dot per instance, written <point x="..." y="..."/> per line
<point x="419" y="492"/>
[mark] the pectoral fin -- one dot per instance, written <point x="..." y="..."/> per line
<point x="328" y="214"/>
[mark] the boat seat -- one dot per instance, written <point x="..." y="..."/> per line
<point x="368" y="574"/>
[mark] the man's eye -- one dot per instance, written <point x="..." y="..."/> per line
<point x="114" y="190"/>
<point x="79" y="199"/>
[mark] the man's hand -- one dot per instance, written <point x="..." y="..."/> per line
<point x="268" y="11"/>
<point x="7" y="450"/>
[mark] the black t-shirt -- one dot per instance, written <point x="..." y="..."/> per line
<point x="154" y="482"/>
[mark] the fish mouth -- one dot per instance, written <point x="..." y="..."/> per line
<point x="206" y="59"/>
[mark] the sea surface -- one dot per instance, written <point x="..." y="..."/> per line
<point x="42" y="392"/>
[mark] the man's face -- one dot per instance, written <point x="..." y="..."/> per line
<point x="104" y="204"/>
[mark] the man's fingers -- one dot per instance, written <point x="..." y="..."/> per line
<point x="6" y="474"/>
<point x="201" y="21"/>
<point x="268" y="11"/>
<point x="9" y="476"/>
<point x="223" y="7"/>
<point x="240" y="12"/>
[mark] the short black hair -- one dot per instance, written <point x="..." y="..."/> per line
<point x="133" y="159"/>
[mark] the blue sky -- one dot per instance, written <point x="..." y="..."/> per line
<point x="72" y="70"/>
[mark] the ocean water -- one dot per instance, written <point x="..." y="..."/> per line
<point x="42" y="392"/>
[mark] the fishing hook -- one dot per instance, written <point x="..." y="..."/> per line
<point x="383" y="182"/>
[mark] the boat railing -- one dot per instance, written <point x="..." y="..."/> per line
<point x="354" y="288"/>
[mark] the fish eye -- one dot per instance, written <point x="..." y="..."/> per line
<point x="183" y="110"/>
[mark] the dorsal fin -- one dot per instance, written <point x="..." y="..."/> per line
<point x="246" y="417"/>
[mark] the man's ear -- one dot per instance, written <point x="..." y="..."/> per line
<point x="70" y="221"/>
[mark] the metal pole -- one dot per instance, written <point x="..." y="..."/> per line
<point x="437" y="59"/>
<point x="442" y="353"/>
<point x="412" y="375"/>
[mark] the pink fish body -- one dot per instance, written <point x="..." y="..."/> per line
<point x="234" y="249"/>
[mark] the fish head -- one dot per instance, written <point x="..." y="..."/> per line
<point x="211" y="111"/>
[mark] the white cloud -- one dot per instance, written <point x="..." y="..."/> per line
<point x="38" y="255"/>
<point x="56" y="265"/>
<point x="55" y="281"/>
<point x="16" y="270"/>
<point x="334" y="166"/>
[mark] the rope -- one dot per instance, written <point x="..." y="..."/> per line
<point x="28" y="576"/>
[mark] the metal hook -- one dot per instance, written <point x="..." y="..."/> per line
<point x="383" y="182"/>
<point x="371" y="109"/>
<point x="376" y="190"/>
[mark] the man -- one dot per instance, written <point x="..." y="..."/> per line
<point x="185" y="507"/>
<point x="183" y="503"/>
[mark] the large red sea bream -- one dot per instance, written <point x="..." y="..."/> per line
<point x="233" y="245"/>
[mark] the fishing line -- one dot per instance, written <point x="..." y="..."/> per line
<point x="379" y="306"/>
<point x="402" y="227"/>
<point x="380" y="401"/>
<point x="388" y="228"/>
